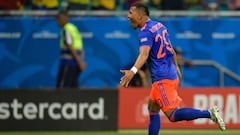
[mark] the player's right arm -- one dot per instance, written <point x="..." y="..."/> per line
<point x="145" y="43"/>
<point x="142" y="57"/>
<point x="140" y="61"/>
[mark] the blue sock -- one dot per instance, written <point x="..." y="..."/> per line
<point x="154" y="124"/>
<point x="188" y="114"/>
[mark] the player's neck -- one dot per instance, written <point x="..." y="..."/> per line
<point x="145" y="20"/>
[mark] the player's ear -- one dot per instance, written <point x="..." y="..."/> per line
<point x="139" y="17"/>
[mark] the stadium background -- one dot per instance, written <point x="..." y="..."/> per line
<point x="111" y="47"/>
<point x="29" y="50"/>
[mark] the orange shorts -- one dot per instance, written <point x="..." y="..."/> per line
<point x="164" y="93"/>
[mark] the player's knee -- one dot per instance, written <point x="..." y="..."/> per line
<point x="153" y="106"/>
<point x="171" y="119"/>
<point x="170" y="114"/>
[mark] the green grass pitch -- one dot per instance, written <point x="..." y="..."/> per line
<point x="132" y="132"/>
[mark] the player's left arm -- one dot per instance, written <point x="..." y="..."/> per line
<point x="176" y="64"/>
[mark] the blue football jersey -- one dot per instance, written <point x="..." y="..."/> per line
<point x="161" y="57"/>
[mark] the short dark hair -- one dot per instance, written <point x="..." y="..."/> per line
<point x="141" y="7"/>
<point x="63" y="12"/>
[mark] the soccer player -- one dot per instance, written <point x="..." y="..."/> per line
<point x="156" y="49"/>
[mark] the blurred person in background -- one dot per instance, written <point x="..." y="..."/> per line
<point x="45" y="4"/>
<point x="193" y="5"/>
<point x="182" y="61"/>
<point x="172" y="4"/>
<point x="213" y="4"/>
<point x="155" y="4"/>
<point x="72" y="53"/>
<point x="142" y="78"/>
<point x="78" y="4"/>
<point x="155" y="48"/>
<point x="103" y="4"/>
<point x="12" y="4"/>
<point x="233" y="4"/>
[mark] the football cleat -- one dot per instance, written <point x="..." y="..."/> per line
<point x="215" y="117"/>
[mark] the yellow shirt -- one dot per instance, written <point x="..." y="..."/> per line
<point x="108" y="4"/>
<point x="84" y="2"/>
<point x="46" y="3"/>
